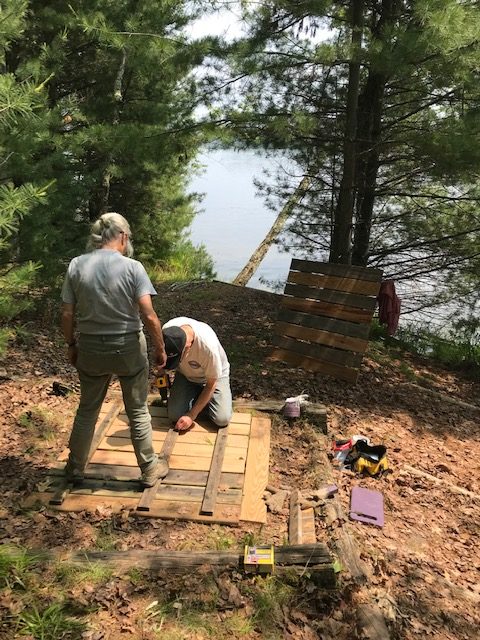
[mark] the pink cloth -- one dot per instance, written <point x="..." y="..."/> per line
<point x="388" y="306"/>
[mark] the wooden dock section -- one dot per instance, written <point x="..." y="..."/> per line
<point x="216" y="475"/>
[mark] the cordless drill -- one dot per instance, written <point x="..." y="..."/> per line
<point x="162" y="382"/>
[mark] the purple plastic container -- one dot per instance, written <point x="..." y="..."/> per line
<point x="291" y="409"/>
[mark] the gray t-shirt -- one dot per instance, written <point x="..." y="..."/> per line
<point x="105" y="287"/>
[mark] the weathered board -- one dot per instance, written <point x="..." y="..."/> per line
<point x="215" y="475"/>
<point x="324" y="322"/>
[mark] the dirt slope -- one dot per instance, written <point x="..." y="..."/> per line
<point x="424" y="562"/>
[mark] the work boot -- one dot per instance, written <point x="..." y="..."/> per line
<point x="150" y="477"/>
<point x="73" y="474"/>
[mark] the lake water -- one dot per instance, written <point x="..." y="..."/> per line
<point x="233" y="220"/>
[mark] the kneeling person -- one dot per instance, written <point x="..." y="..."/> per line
<point x="202" y="378"/>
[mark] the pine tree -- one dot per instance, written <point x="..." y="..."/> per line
<point x="120" y="133"/>
<point x="397" y="108"/>
<point x="20" y="104"/>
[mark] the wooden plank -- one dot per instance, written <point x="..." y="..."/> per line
<point x="332" y="297"/>
<point x="338" y="283"/>
<point x="256" y="472"/>
<point x="341" y="270"/>
<point x="191" y="559"/>
<point x="240" y="429"/>
<point x="179" y="493"/>
<point x="240" y="418"/>
<point x="295" y="519"/>
<point x="149" y="493"/>
<point x="309" y="364"/>
<point x="61" y="492"/>
<point x="317" y="308"/>
<point x="325" y="354"/>
<point x="325" y="324"/>
<point x="104" y="425"/>
<point x="232" y="464"/>
<point x="167" y="509"/>
<point x="160" y="412"/>
<point x="321" y="337"/>
<point x="308" y="526"/>
<point x="112" y="473"/>
<point x="190" y="437"/>
<point x="210" y="497"/>
<point x="175" y="476"/>
<point x="345" y="544"/>
<point x="318" y="411"/>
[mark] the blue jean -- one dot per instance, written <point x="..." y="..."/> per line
<point x="100" y="357"/>
<point x="184" y="393"/>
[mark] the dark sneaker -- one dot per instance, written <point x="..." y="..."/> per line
<point x="150" y="477"/>
<point x="73" y="474"/>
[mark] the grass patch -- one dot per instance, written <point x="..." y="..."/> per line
<point x="219" y="539"/>
<point x="106" y="538"/>
<point x="15" y="566"/>
<point x="269" y="595"/>
<point x="40" y="423"/>
<point x="71" y="575"/>
<point x="51" y="623"/>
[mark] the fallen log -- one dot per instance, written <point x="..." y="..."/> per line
<point x="317" y="411"/>
<point x="454" y="488"/>
<point x="346" y="548"/>
<point x="314" y="558"/>
<point x="442" y="396"/>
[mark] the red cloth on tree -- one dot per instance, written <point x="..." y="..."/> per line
<point x="388" y="306"/>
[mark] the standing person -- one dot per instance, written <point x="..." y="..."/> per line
<point x="202" y="378"/>
<point x="107" y="294"/>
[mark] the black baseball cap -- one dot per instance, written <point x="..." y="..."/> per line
<point x="175" y="339"/>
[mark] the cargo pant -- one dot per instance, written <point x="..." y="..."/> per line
<point x="100" y="357"/>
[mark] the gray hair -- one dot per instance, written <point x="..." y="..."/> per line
<point x="108" y="227"/>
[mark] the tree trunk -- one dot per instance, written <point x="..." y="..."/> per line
<point x="369" y="133"/>
<point x="98" y="203"/>
<point x="257" y="256"/>
<point x="340" y="248"/>
<point x="370" y="111"/>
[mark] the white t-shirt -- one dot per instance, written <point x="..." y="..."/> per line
<point x="206" y="358"/>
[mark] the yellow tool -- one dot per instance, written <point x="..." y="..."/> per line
<point x="162" y="383"/>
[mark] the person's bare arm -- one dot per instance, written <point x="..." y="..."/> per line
<point x="185" y="422"/>
<point x="68" y="330"/>
<point x="154" y="328"/>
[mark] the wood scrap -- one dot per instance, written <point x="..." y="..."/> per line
<point x="318" y="411"/>
<point x="371" y="623"/>
<point x="409" y="470"/>
<point x="347" y="551"/>
<point x="442" y="396"/>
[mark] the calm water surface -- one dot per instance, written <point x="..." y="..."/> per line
<point x="233" y="220"/>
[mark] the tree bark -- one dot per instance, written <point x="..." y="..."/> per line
<point x="369" y="134"/>
<point x="340" y="248"/>
<point x="257" y="256"/>
<point x="98" y="203"/>
<point x="370" y="109"/>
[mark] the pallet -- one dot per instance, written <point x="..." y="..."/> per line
<point x="216" y="475"/>
<point x="325" y="316"/>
